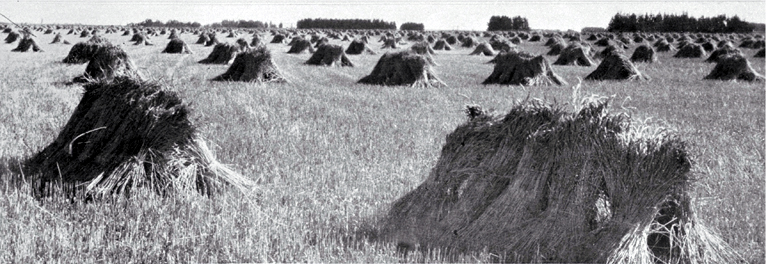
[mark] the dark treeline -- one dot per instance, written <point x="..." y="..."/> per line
<point x="677" y="23"/>
<point x="411" y="26"/>
<point x="225" y="23"/>
<point x="345" y="23"/>
<point x="507" y="23"/>
<point x="170" y="23"/>
<point x="242" y="24"/>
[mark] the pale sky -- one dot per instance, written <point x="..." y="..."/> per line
<point x="434" y="14"/>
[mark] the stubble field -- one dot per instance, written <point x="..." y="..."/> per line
<point x="331" y="155"/>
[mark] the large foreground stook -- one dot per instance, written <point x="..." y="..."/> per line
<point x="541" y="184"/>
<point x="130" y="133"/>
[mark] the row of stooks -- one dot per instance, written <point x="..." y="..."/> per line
<point x="573" y="53"/>
<point x="566" y="213"/>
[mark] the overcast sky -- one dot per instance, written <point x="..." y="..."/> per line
<point x="435" y="15"/>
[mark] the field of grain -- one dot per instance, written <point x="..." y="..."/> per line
<point x="331" y="155"/>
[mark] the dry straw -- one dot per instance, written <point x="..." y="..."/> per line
<point x="357" y="46"/>
<point x="616" y="66"/>
<point x="330" y="55"/>
<point x="734" y="67"/>
<point x="542" y="184"/>
<point x="176" y="45"/>
<point x="126" y="134"/>
<point x="575" y="54"/>
<point x="253" y="65"/>
<point x="403" y="68"/>
<point x="521" y="68"/>
<point x="105" y="61"/>
<point x="222" y="53"/>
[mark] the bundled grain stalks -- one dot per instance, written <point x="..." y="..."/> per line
<point x="357" y="47"/>
<point x="734" y="67"/>
<point x="575" y="54"/>
<point x="12" y="36"/>
<point x="708" y="46"/>
<point x="321" y="42"/>
<point x="405" y="67"/>
<point x="441" y="44"/>
<point x="483" y="49"/>
<point x="541" y="184"/>
<point x="105" y="62"/>
<point x="129" y="133"/>
<point x="142" y="40"/>
<point x="25" y="44"/>
<point x="83" y="52"/>
<point x="503" y="45"/>
<point x="616" y="67"/>
<point x="299" y="45"/>
<point x="330" y="55"/>
<point x="390" y="43"/>
<point x="556" y="48"/>
<point x="202" y="39"/>
<point x="521" y="68"/>
<point x="690" y="50"/>
<point x="176" y="45"/>
<point x="664" y="46"/>
<point x="212" y="40"/>
<point x="644" y="53"/>
<point x="253" y="65"/>
<point x="423" y="48"/>
<point x="223" y="53"/>
<point x="723" y="51"/>
<point x="452" y="40"/>
<point x="257" y="41"/>
<point x="279" y="38"/>
<point x="469" y="42"/>
<point x="56" y="38"/>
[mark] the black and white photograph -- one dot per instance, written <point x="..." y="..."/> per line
<point x="348" y="131"/>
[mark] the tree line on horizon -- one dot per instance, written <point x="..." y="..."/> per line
<point x="225" y="23"/>
<point x="345" y="23"/>
<point x="678" y="23"/>
<point x="411" y="26"/>
<point x="507" y="23"/>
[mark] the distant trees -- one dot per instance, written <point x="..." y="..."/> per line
<point x="241" y="24"/>
<point x="170" y="23"/>
<point x="507" y="23"/>
<point x="678" y="23"/>
<point x="345" y="23"/>
<point x="225" y="23"/>
<point x="592" y="30"/>
<point x="411" y="26"/>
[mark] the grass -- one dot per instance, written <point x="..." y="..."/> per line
<point x="331" y="155"/>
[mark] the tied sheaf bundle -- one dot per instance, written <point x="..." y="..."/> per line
<point x="299" y="45"/>
<point x="128" y="133"/>
<point x="253" y="65"/>
<point x="521" y="68"/>
<point x="734" y="67"/>
<point x="25" y="44"/>
<point x="483" y="49"/>
<point x="222" y="53"/>
<point x="404" y="67"/>
<point x="616" y="66"/>
<point x="575" y="54"/>
<point x="357" y="47"/>
<point x="330" y="55"/>
<point x="541" y="184"/>
<point x="83" y="51"/>
<point x="176" y="45"/>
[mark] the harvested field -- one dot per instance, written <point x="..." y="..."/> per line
<point x="331" y="156"/>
